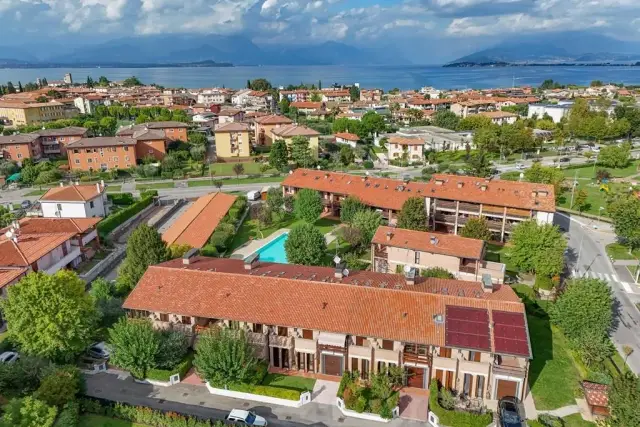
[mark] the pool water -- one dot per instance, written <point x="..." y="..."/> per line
<point x="274" y="250"/>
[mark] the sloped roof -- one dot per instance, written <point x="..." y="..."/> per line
<point x="103" y="141"/>
<point x="233" y="127"/>
<point x="34" y="225"/>
<point x="68" y="131"/>
<point x="294" y="130"/>
<point x="348" y="136"/>
<point x="273" y="119"/>
<point x="73" y="193"/>
<point x="29" y="248"/>
<point x="8" y="275"/>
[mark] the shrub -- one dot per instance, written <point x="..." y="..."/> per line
<point x="543" y="282"/>
<point x="164" y="374"/>
<point x="121" y="199"/>
<point x="209" y="250"/>
<point x="361" y="404"/>
<point x="550" y="420"/>
<point x="437" y="272"/>
<point x="599" y="377"/>
<point x="109" y="224"/>
<point x="60" y="386"/>
<point x="446" y="399"/>
<point x="375" y="405"/>
<point x="368" y="164"/>
<point x="266" y="390"/>
<point x="69" y="416"/>
<point x="386" y="411"/>
<point x="455" y="418"/>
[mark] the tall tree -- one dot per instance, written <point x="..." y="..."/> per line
<point x="446" y="119"/>
<point x="308" y="205"/>
<point x="145" y="247"/>
<point x="305" y="245"/>
<point x="624" y="396"/>
<point x="347" y="156"/>
<point x="366" y="221"/>
<point x="135" y="346"/>
<point x="50" y="315"/>
<point x="300" y="151"/>
<point x="625" y="212"/>
<point x="538" y="248"/>
<point x="413" y="215"/>
<point x="28" y="412"/>
<point x="275" y="201"/>
<point x="476" y="228"/>
<point x="354" y="93"/>
<point x="349" y="207"/>
<point x="479" y="165"/>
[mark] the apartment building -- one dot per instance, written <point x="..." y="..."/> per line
<point x="325" y="320"/>
<point x="288" y="132"/>
<point x="259" y="99"/>
<point x="209" y="97"/>
<point x="241" y="97"/>
<point x="371" y="95"/>
<point x="307" y="107"/>
<point x="395" y="249"/>
<point x="450" y="200"/>
<point x="21" y="113"/>
<point x="300" y="95"/>
<point x="230" y="115"/>
<point x="173" y="131"/>
<point x="20" y="147"/>
<point x="104" y="153"/>
<point x="430" y="104"/>
<point x="87" y="104"/>
<point x="232" y="140"/>
<point x="500" y="117"/>
<point x="336" y="95"/>
<point x="54" y="141"/>
<point x="556" y="111"/>
<point x="474" y="106"/>
<point x="264" y="125"/>
<point x="75" y="201"/>
<point x="408" y="149"/>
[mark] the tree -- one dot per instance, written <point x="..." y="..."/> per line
<point x="60" y="386"/>
<point x="278" y="156"/>
<point x="197" y="152"/>
<point x="354" y="93"/>
<point x="284" y="105"/>
<point x="42" y="98"/>
<point x="413" y="215"/>
<point x="366" y="221"/>
<point x="218" y="183"/>
<point x="613" y="156"/>
<point x="264" y="216"/>
<point x="305" y="245"/>
<point x="108" y="126"/>
<point x="131" y="81"/>
<point x="624" y="396"/>
<point x="20" y="87"/>
<point x="373" y="122"/>
<point x="344" y="124"/>
<point x="346" y="155"/>
<point x="479" y="165"/>
<point x="145" y="247"/>
<point x="28" y="412"/>
<point x="50" y="315"/>
<point x="349" y="207"/>
<point x="538" y="248"/>
<point x="109" y="307"/>
<point x="308" y="205"/>
<point x="262" y="85"/>
<point x="177" y="250"/>
<point x="238" y="169"/>
<point x="275" y="201"/>
<point x="135" y="346"/>
<point x="580" y="201"/>
<point x="103" y="81"/>
<point x="625" y="213"/>
<point x="545" y="175"/>
<point x="225" y="357"/>
<point x="437" y="272"/>
<point x="300" y="151"/>
<point x="10" y="88"/>
<point x="316" y="97"/>
<point x="174" y="346"/>
<point x="446" y="119"/>
<point x="474" y="122"/>
<point x="197" y="138"/>
<point x="596" y="83"/>
<point x="6" y="217"/>
<point x="477" y="228"/>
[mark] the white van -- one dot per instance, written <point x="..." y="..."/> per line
<point x="253" y="195"/>
<point x="246" y="418"/>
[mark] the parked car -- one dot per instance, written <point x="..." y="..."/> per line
<point x="564" y="159"/>
<point x="253" y="195"/>
<point x="520" y="166"/>
<point x="99" y="350"/>
<point x="509" y="412"/>
<point x="245" y="418"/>
<point x="25" y="204"/>
<point x="9" y="357"/>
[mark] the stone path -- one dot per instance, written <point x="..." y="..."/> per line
<point x="565" y="411"/>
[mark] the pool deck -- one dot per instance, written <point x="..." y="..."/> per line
<point x="253" y="245"/>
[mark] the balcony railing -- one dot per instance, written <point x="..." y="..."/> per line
<point x="380" y="253"/>
<point x="415" y="358"/>
<point x="70" y="256"/>
<point x="278" y="341"/>
<point x="469" y="207"/>
<point x="468" y="269"/>
<point x="512" y="371"/>
<point x="495" y="225"/>
<point x="445" y="205"/>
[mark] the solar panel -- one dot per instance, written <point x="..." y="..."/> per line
<point x="510" y="333"/>
<point x="467" y="328"/>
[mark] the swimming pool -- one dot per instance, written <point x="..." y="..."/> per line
<point x="274" y="250"/>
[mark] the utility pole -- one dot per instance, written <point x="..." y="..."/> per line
<point x="573" y="188"/>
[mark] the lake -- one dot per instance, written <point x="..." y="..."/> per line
<point x="384" y="77"/>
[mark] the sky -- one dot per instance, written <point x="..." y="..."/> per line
<point x="420" y="27"/>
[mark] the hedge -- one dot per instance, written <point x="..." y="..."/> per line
<point x="455" y="418"/>
<point x="121" y="199"/>
<point x="165" y="374"/>
<point x="69" y="416"/>
<point x="110" y="223"/>
<point x="266" y="390"/>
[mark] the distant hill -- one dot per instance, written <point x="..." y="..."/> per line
<point x="552" y="48"/>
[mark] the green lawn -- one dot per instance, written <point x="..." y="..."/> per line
<point x="99" y="421"/>
<point x="595" y="197"/>
<point x="621" y="252"/>
<point x="588" y="171"/>
<point x="497" y="253"/>
<point x="234" y="181"/>
<point x="36" y="192"/>
<point x="576" y="420"/>
<point x="290" y="382"/>
<point x="155" y="186"/>
<point x="114" y="188"/>
<point x="250" y="168"/>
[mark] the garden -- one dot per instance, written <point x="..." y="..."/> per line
<point x="379" y="395"/>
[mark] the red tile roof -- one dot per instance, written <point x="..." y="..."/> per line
<point x="197" y="223"/>
<point x="73" y="193"/>
<point x="294" y="130"/>
<point x="596" y="394"/>
<point x="348" y="136"/>
<point x="444" y="243"/>
<point x="305" y="297"/>
<point x="306" y="105"/>
<point x="30" y="248"/>
<point x="55" y="225"/>
<point x="273" y="119"/>
<point x="9" y="275"/>
<point x="233" y="127"/>
<point x="497" y="114"/>
<point x="401" y="140"/>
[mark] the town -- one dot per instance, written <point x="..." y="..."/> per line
<point x="319" y="254"/>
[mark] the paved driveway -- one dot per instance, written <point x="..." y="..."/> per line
<point x="325" y="392"/>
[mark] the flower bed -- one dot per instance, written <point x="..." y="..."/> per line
<point x="455" y="418"/>
<point x="364" y="398"/>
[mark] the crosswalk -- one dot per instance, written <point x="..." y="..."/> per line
<point x="604" y="276"/>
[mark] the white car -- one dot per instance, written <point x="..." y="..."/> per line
<point x="99" y="350"/>
<point x="520" y="166"/>
<point x="245" y="418"/>
<point x="595" y="149"/>
<point x="9" y="357"/>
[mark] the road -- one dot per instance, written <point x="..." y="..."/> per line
<point x="588" y="244"/>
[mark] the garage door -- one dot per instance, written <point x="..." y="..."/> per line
<point x="332" y="364"/>
<point x="415" y="377"/>
<point x="506" y="388"/>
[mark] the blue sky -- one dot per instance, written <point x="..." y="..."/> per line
<point x="442" y="28"/>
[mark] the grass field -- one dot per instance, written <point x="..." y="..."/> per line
<point x="233" y="181"/>
<point x="621" y="252"/>
<point x="114" y="188"/>
<point x="497" y="253"/>
<point x="36" y="192"/>
<point x="290" y="382"/>
<point x="576" y="420"/>
<point x="155" y="186"/>
<point x="250" y="168"/>
<point x="99" y="421"/>
<point x="595" y="197"/>
<point x="588" y="172"/>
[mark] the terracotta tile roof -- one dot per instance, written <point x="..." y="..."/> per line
<point x="68" y="131"/>
<point x="596" y="394"/>
<point x="497" y="114"/>
<point x="32" y="225"/>
<point x="7" y="276"/>
<point x="294" y="130"/>
<point x="478" y="102"/>
<point x="73" y="193"/>
<point x="348" y="136"/>
<point x="23" y="138"/>
<point x="103" y="141"/>
<point x="222" y="289"/>
<point x="165" y="125"/>
<point x="258" y="94"/>
<point x="273" y="119"/>
<point x="401" y="140"/>
<point x="233" y="127"/>
<point x="421" y="101"/>
<point x="148" y="135"/>
<point x="255" y="114"/>
<point x="229" y="112"/>
<point x="30" y="248"/>
<point x="306" y="104"/>
<point x="388" y="193"/>
<point x="444" y="243"/>
<point x="197" y="223"/>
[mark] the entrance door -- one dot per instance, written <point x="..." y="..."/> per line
<point x="364" y="373"/>
<point x="415" y="377"/>
<point x="506" y="388"/>
<point x="311" y="365"/>
<point x="285" y="358"/>
<point x="276" y="357"/>
<point x="332" y="364"/>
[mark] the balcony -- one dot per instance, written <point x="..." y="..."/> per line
<point x="392" y="356"/>
<point x="380" y="253"/>
<point x="416" y="358"/>
<point x="73" y="254"/>
<point x="449" y="219"/>
<point x="278" y="341"/>
<point x="440" y="204"/>
<point x="481" y="368"/>
<point x="305" y="345"/>
<point x="361" y="351"/>
<point x="468" y="207"/>
<point x="468" y="268"/>
<point x="518" y="213"/>
<point x="255" y="338"/>
<point x="509" y="370"/>
<point x="326" y="202"/>
<point x="495" y="225"/>
<point x="445" y="363"/>
<point x="184" y="328"/>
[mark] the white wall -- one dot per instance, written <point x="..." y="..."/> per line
<point x="75" y="209"/>
<point x="544" y="217"/>
<point x="556" y="113"/>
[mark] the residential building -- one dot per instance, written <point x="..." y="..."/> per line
<point x="307" y="107"/>
<point x="336" y="95"/>
<point x="68" y="79"/>
<point x="265" y="124"/>
<point x="209" y="97"/>
<point x="87" y="104"/>
<point x="259" y="99"/>
<point x="347" y="138"/>
<point x="450" y="200"/>
<point x="371" y="95"/>
<point x="394" y="249"/>
<point x="406" y="149"/>
<point x="44" y="244"/>
<point x="437" y="138"/>
<point x="500" y="117"/>
<point x="21" y="113"/>
<point x="104" y="153"/>
<point x="474" y="106"/>
<point x="197" y="224"/>
<point x="241" y="97"/>
<point x="173" y="131"/>
<point x="230" y="115"/>
<point x="325" y="320"/>
<point x="20" y="147"/>
<point x="288" y="132"/>
<point x="300" y="95"/>
<point x="430" y="104"/>
<point x="233" y="141"/>
<point x="556" y="111"/>
<point x="350" y="115"/>
<point x="75" y="201"/>
<point x="54" y="141"/>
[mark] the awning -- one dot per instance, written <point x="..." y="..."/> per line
<point x="14" y="177"/>
<point x="336" y="340"/>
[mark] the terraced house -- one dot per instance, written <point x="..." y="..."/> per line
<point x="450" y="200"/>
<point x="472" y="338"/>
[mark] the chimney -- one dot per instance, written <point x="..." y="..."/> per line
<point x="483" y="187"/>
<point x="61" y="184"/>
<point x="433" y="240"/>
<point x="252" y="261"/>
<point x="389" y="235"/>
<point x="410" y="276"/>
<point x="187" y="258"/>
<point x="460" y="184"/>
<point x="339" y="271"/>
<point x="487" y="284"/>
<point x="98" y="187"/>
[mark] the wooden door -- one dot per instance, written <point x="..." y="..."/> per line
<point x="415" y="377"/>
<point x="440" y="377"/>
<point x="332" y="364"/>
<point x="449" y="380"/>
<point x="506" y="389"/>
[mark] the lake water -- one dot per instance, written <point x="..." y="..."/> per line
<point x="384" y="77"/>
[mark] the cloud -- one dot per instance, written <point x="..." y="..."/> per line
<point x="519" y="23"/>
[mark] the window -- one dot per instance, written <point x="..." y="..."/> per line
<point x="387" y="345"/>
<point x="19" y="155"/>
<point x="474" y="356"/>
<point x="445" y="352"/>
<point x="307" y="334"/>
<point x="185" y="320"/>
<point x="126" y="158"/>
<point x="164" y="317"/>
<point x="150" y="151"/>
<point x="77" y="161"/>
<point x="91" y="204"/>
<point x="360" y="341"/>
<point x="257" y="328"/>
<point x="282" y="331"/>
<point x="126" y="148"/>
<point x="89" y="160"/>
<point x="234" y="324"/>
<point x="417" y="258"/>
<point x="115" y="159"/>
<point x="479" y="385"/>
<point x="75" y="151"/>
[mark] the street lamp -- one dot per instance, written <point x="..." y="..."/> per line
<point x="600" y="213"/>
